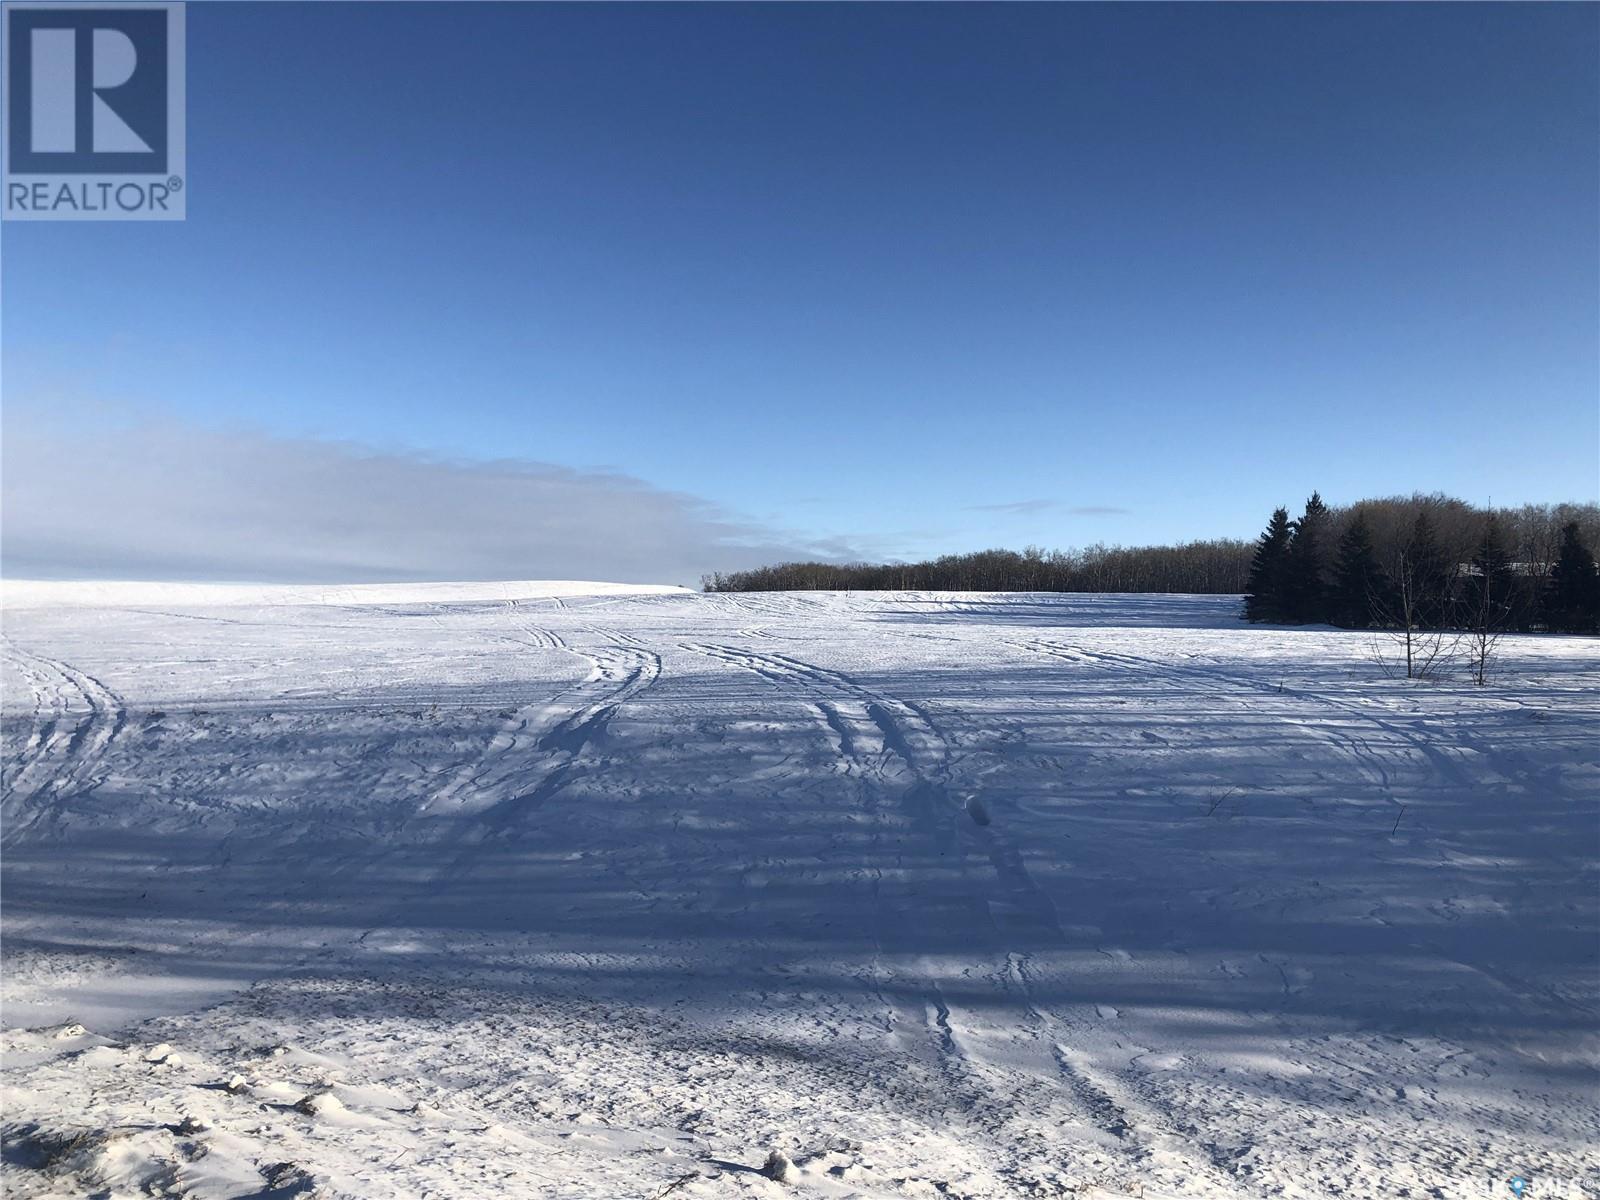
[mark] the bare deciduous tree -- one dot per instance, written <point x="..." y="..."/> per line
<point x="1487" y="624"/>
<point x="1411" y="633"/>
<point x="1491" y="598"/>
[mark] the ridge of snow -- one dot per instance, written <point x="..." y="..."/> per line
<point x="41" y="593"/>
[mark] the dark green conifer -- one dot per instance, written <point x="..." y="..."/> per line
<point x="1308" y="595"/>
<point x="1432" y="576"/>
<point x="1358" y="583"/>
<point x="1572" y="598"/>
<point x="1264" y="599"/>
<point x="1492" y="586"/>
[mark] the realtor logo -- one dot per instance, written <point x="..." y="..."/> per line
<point x="94" y="112"/>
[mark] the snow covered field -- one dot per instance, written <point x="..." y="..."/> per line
<point x="519" y="891"/>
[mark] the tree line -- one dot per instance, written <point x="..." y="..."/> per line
<point x="1399" y="562"/>
<point x="1218" y="567"/>
<point x="1430" y="562"/>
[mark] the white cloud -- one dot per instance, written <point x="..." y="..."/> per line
<point x="163" y="500"/>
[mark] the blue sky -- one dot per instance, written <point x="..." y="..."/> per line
<point x="894" y="280"/>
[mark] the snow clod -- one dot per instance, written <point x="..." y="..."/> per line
<point x="288" y="1179"/>
<point x="320" y="1104"/>
<point x="778" y="1167"/>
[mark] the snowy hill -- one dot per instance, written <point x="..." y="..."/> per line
<point x="30" y="593"/>
<point x="586" y="890"/>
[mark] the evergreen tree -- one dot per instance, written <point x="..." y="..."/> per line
<point x="1491" y="591"/>
<point x="1432" y="575"/>
<point x="1265" y="599"/>
<point x="1572" y="600"/>
<point x="1308" y="597"/>
<point x="1491" y="563"/>
<point x="1358" y="581"/>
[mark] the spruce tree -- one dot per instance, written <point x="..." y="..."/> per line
<point x="1491" y="563"/>
<point x="1308" y="594"/>
<point x="1432" y="576"/>
<point x="1357" y="579"/>
<point x="1573" y="593"/>
<point x="1491" y="593"/>
<point x="1265" y="598"/>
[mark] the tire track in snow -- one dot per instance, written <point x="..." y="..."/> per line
<point x="66" y="759"/>
<point x="886" y="747"/>
<point x="533" y="755"/>
<point x="1197" y="680"/>
<point x="892" y="747"/>
<point x="904" y="729"/>
<point x="1220" y="1162"/>
<point x="1208" y="678"/>
<point x="1141" y="1130"/>
<point x="1145" y="1130"/>
<point x="1447" y="768"/>
<point x="49" y="706"/>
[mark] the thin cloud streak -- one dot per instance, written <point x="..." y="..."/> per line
<point x="1015" y="506"/>
<point x="1023" y="507"/>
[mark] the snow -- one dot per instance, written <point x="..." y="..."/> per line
<point x="36" y="593"/>
<point x="585" y="891"/>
